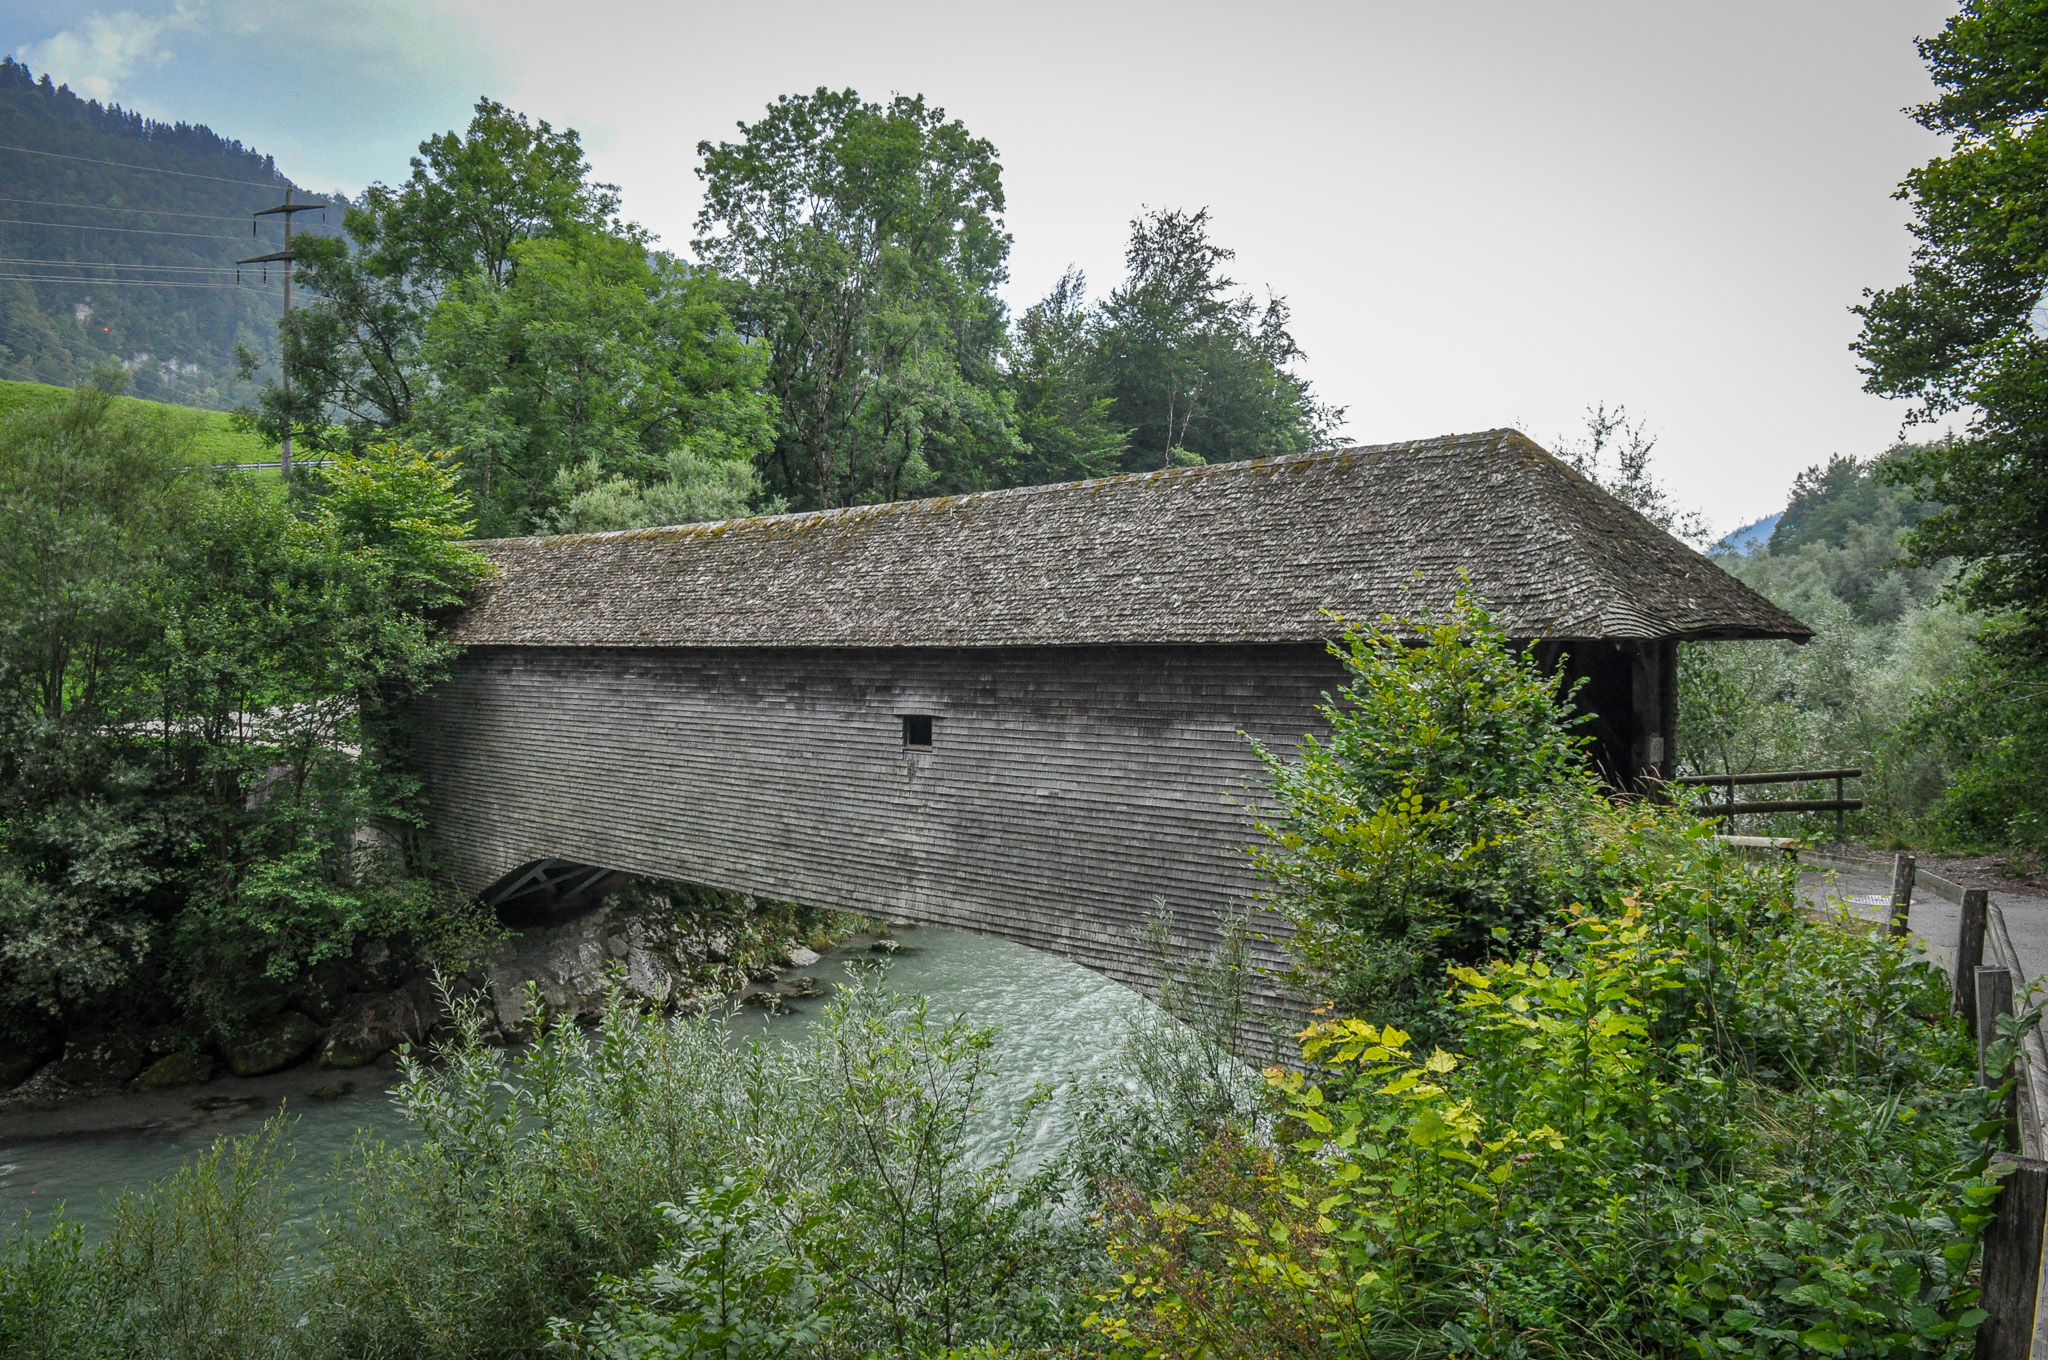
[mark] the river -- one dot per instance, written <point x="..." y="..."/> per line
<point x="1056" y="1022"/>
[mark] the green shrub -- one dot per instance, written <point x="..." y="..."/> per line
<point x="595" y="1185"/>
<point x="1692" y="1122"/>
<point x="1180" y="1077"/>
<point x="194" y="1266"/>
<point x="1402" y="841"/>
<point x="1658" y="1110"/>
<point x="731" y="1285"/>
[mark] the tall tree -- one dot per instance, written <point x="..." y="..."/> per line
<point x="473" y="198"/>
<point x="1066" y="420"/>
<point x="496" y="303"/>
<point x="87" y="490"/>
<point x="1195" y="372"/>
<point x="200" y="686"/>
<point x="596" y="363"/>
<point x="357" y="348"/>
<point x="1964" y="333"/>
<point x="1614" y="454"/>
<point x="871" y="243"/>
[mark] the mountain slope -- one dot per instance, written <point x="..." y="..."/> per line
<point x="1751" y="536"/>
<point x="130" y="262"/>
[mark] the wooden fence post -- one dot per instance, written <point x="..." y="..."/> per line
<point x="2012" y="1262"/>
<point x="1902" y="893"/>
<point x="1976" y="917"/>
<point x="1994" y="998"/>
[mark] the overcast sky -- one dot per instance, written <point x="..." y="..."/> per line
<point x="1483" y="214"/>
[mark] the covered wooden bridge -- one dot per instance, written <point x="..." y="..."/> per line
<point x="1021" y="712"/>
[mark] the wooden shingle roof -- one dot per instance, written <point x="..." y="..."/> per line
<point x="1232" y="552"/>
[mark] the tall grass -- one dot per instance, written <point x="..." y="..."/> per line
<point x="195" y="1266"/>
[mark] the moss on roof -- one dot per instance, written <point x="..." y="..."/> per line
<point x="1258" y="551"/>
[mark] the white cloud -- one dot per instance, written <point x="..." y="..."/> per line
<point x="97" y="56"/>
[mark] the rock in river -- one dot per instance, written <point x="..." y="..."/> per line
<point x="102" y="1059"/>
<point x="176" y="1069"/>
<point x="20" y="1057"/>
<point x="268" y="1045"/>
<point x="370" y="1026"/>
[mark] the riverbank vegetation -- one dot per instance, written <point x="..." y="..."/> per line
<point x="202" y="790"/>
<point x="1652" y="1107"/>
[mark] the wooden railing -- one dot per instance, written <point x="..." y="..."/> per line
<point x="1731" y="809"/>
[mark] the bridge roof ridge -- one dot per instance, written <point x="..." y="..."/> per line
<point x="846" y="512"/>
<point x="1261" y="550"/>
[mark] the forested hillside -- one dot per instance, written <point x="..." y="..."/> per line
<point x="1925" y="696"/>
<point x="118" y="237"/>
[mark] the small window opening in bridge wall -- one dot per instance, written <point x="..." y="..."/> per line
<point x="917" y="729"/>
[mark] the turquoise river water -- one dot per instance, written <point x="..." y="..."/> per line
<point x="1056" y="1021"/>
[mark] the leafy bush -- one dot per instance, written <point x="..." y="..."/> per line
<point x="1659" y="1111"/>
<point x="1403" y="840"/>
<point x="732" y="1286"/>
<point x="192" y="1267"/>
<point x="202" y="791"/>
<point x="1180" y="1077"/>
<point x="1693" y="1122"/>
<point x="618" y="1188"/>
<point x="656" y="1188"/>
<point x="1986" y="728"/>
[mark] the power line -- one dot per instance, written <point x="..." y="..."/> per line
<point x="116" y="283"/>
<point x="151" y="169"/>
<point x="105" y="264"/>
<point x="95" y="207"/>
<point x="132" y="231"/>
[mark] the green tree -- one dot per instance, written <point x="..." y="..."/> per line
<point x="1065" y="419"/>
<point x="473" y="198"/>
<point x="870" y="241"/>
<point x="1195" y="373"/>
<point x="1614" y="454"/>
<point x="1411" y="837"/>
<point x="356" y="349"/>
<point x="88" y="489"/>
<point x="202" y="784"/>
<point x="1961" y="335"/>
<point x="598" y="387"/>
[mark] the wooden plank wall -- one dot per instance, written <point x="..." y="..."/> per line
<point x="1066" y="791"/>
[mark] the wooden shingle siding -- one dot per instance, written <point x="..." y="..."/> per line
<point x="1066" y="792"/>
<point x="723" y="704"/>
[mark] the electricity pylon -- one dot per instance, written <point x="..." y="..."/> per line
<point x="286" y="208"/>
